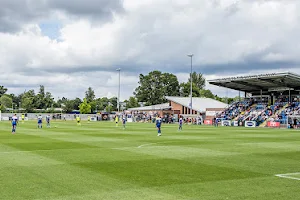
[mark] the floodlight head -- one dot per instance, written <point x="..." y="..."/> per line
<point x="119" y="69"/>
<point x="190" y="55"/>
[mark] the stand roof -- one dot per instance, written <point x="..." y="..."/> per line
<point x="266" y="82"/>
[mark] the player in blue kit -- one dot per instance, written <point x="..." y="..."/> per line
<point x="180" y="124"/>
<point x="158" y="125"/>
<point x="14" y="122"/>
<point x="124" y="122"/>
<point x="40" y="121"/>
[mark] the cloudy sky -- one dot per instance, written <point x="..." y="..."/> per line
<point x="71" y="45"/>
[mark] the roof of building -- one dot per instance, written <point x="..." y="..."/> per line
<point x="265" y="82"/>
<point x="163" y="106"/>
<point x="199" y="104"/>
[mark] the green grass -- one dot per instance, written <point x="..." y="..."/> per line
<point x="100" y="161"/>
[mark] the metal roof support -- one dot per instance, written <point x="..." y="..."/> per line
<point x="248" y="84"/>
<point x="270" y="81"/>
<point x="277" y="83"/>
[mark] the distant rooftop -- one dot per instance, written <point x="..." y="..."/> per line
<point x="199" y="104"/>
<point x="163" y="106"/>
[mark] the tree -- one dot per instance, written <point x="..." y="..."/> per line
<point x="68" y="105"/>
<point x="6" y="101"/>
<point x="101" y="103"/>
<point x="171" y="84"/>
<point x="61" y="102"/>
<point x="76" y="103"/>
<point x="94" y="106"/>
<point x="185" y="89"/>
<point x="97" y="105"/>
<point x="104" y="102"/>
<point x="155" y="86"/>
<point x="114" y="103"/>
<point x="132" y="103"/>
<point x="48" y="100"/>
<point x="42" y="91"/>
<point x="108" y="108"/>
<point x="2" y="108"/>
<point x="16" y="99"/>
<point x="206" y="93"/>
<point x="238" y="98"/>
<point x="198" y="87"/>
<point x="228" y="100"/>
<point x="56" y="105"/>
<point x="90" y="95"/>
<point x="39" y="98"/>
<point x="198" y="80"/>
<point x="43" y="100"/>
<point x="28" y="100"/>
<point x="218" y="98"/>
<point x="27" y="104"/>
<point x="85" y="107"/>
<point x="3" y="90"/>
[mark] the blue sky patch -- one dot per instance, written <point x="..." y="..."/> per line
<point x="51" y="29"/>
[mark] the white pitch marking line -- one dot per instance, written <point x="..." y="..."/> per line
<point x="143" y="145"/>
<point x="148" y="144"/>
<point x="38" y="150"/>
<point x="289" y="176"/>
<point x="120" y="148"/>
<point x="6" y="152"/>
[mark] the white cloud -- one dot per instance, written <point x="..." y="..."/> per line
<point x="150" y="34"/>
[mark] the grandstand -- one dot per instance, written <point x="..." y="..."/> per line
<point x="270" y="100"/>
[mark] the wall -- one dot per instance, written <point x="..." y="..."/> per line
<point x="33" y="116"/>
<point x="159" y="112"/>
<point x="176" y="107"/>
<point x="215" y="109"/>
<point x="179" y="109"/>
<point x="210" y="112"/>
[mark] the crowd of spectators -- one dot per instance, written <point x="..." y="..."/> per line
<point x="252" y="109"/>
<point x="236" y="109"/>
<point x="145" y="117"/>
<point x="293" y="109"/>
<point x="272" y="113"/>
<point x="241" y="111"/>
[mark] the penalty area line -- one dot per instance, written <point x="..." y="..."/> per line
<point x="149" y="144"/>
<point x="143" y="145"/>
<point x="289" y="176"/>
<point x="12" y="152"/>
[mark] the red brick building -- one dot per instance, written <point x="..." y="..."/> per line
<point x="181" y="105"/>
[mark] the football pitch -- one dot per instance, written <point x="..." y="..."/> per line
<point x="100" y="161"/>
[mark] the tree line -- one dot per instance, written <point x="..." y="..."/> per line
<point x="152" y="89"/>
<point x="43" y="101"/>
<point x="154" y="86"/>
